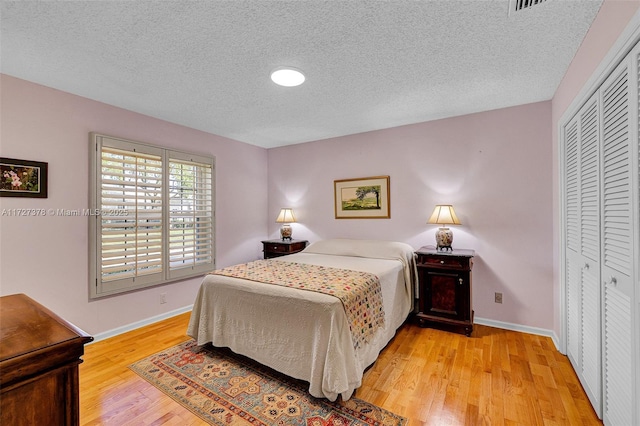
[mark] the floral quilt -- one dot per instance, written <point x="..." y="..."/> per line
<point x="360" y="292"/>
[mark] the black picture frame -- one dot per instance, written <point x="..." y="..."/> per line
<point x="23" y="178"/>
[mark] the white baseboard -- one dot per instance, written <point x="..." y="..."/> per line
<point x="129" y="327"/>
<point x="521" y="328"/>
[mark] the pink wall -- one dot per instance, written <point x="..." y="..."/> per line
<point x="612" y="19"/>
<point x="495" y="168"/>
<point x="504" y="161"/>
<point x="46" y="257"/>
<point x="498" y="168"/>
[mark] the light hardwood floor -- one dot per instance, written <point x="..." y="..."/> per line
<point x="494" y="377"/>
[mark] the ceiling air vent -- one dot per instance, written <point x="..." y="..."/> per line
<point x="518" y="5"/>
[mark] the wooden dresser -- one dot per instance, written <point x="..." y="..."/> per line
<point x="39" y="357"/>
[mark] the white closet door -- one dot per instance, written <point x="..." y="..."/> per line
<point x="582" y="195"/>
<point x="617" y="249"/>
<point x="591" y="374"/>
<point x="572" y="244"/>
<point x="601" y="261"/>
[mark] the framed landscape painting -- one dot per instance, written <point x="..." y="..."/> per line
<point x="22" y="178"/>
<point x="362" y="198"/>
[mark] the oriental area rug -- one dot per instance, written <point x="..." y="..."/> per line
<point x="223" y="388"/>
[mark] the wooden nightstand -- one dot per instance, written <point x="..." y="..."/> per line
<point x="444" y="283"/>
<point x="277" y="248"/>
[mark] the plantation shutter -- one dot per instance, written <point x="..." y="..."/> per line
<point x="152" y="215"/>
<point x="190" y="215"/>
<point x="130" y="220"/>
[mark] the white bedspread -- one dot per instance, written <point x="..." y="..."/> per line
<point x="301" y="333"/>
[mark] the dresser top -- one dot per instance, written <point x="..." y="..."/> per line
<point x="27" y="326"/>
<point x="454" y="252"/>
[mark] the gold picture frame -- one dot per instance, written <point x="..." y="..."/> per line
<point x="362" y="198"/>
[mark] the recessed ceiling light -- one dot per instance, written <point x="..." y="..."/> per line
<point x="288" y="77"/>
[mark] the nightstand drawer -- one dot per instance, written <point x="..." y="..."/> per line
<point x="444" y="261"/>
<point x="279" y="248"/>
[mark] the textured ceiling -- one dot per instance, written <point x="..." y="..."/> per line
<point x="369" y="64"/>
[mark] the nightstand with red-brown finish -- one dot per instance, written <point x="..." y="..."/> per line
<point x="277" y="248"/>
<point x="444" y="289"/>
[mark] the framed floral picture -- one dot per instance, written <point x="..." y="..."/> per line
<point x="22" y="178"/>
<point x="362" y="198"/>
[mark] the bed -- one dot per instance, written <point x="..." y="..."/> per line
<point x="306" y="334"/>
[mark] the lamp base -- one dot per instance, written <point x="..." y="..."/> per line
<point x="285" y="232"/>
<point x="444" y="238"/>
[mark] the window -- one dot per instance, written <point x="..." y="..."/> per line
<point x="190" y="214"/>
<point x="151" y="216"/>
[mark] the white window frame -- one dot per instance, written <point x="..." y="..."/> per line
<point x="194" y="261"/>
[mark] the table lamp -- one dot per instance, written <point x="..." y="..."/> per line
<point x="442" y="215"/>
<point x="286" y="217"/>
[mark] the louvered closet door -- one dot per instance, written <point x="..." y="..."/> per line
<point x="583" y="248"/>
<point x="617" y="249"/>
<point x="572" y="244"/>
<point x="591" y="374"/>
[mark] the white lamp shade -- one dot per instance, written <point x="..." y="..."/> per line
<point x="444" y="214"/>
<point x="286" y="216"/>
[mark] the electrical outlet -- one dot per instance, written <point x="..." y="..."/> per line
<point x="163" y="298"/>
<point x="498" y="298"/>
